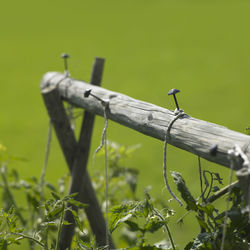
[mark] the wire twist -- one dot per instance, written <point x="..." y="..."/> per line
<point x="104" y="143"/>
<point x="180" y="114"/>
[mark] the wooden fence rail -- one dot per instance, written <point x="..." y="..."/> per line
<point x="186" y="132"/>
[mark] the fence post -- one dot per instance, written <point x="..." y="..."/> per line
<point x="244" y="182"/>
<point x="238" y="157"/>
<point x="76" y="155"/>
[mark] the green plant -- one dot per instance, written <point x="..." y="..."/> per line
<point x="142" y="217"/>
<point x="211" y="221"/>
<point x="122" y="179"/>
<point x="41" y="218"/>
<point x="138" y="218"/>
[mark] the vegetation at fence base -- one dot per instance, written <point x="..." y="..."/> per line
<point x="211" y="221"/>
<point x="41" y="219"/>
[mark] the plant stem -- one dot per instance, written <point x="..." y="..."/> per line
<point x="224" y="229"/>
<point x="167" y="228"/>
<point x="170" y="237"/>
<point x="183" y="216"/>
<point x="42" y="179"/>
<point x="221" y="192"/>
<point x="29" y="238"/>
<point x="60" y="227"/>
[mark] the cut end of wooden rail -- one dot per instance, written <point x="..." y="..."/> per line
<point x="50" y="81"/>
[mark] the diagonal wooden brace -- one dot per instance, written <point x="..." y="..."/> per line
<point x="76" y="156"/>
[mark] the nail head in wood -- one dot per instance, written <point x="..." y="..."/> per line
<point x="173" y="92"/>
<point x="87" y="92"/>
<point x="213" y="150"/>
<point x="65" y="56"/>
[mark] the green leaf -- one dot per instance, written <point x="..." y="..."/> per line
<point x="218" y="178"/>
<point x="77" y="203"/>
<point x="55" y="212"/>
<point x="84" y="245"/>
<point x="204" y="241"/>
<point x="118" y="212"/>
<point x="208" y="209"/>
<point x="220" y="218"/>
<point x="123" y="219"/>
<point x="3" y="244"/>
<point x="215" y="189"/>
<point x="148" y="207"/>
<point x="66" y="223"/>
<point x="154" y="224"/>
<point x="69" y="197"/>
<point x="77" y="220"/>
<point x="236" y="217"/>
<point x="185" y="193"/>
<point x="50" y="186"/>
<point x="202" y="223"/>
<point x="133" y="226"/>
<point x="33" y="201"/>
<point x="56" y="197"/>
<point x="49" y="223"/>
<point x="189" y="245"/>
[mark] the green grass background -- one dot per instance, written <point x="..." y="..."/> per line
<point x="150" y="46"/>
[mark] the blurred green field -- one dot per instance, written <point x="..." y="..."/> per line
<point x="199" y="47"/>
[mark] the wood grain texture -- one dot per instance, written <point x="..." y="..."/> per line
<point x="187" y="133"/>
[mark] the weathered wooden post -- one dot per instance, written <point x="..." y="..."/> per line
<point x="244" y="181"/>
<point x="76" y="155"/>
<point x="239" y="157"/>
